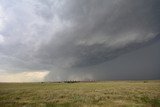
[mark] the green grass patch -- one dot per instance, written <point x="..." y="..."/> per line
<point x="94" y="94"/>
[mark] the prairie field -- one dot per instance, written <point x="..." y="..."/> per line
<point x="82" y="94"/>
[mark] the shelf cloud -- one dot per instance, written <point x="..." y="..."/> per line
<point x="77" y="39"/>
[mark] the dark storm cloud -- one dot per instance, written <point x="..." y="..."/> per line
<point x="103" y="30"/>
<point x="68" y="36"/>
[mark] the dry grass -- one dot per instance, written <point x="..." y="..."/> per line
<point x="96" y="94"/>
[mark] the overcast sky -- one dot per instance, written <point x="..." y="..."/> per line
<point x="54" y="40"/>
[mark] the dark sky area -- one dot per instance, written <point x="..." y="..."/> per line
<point x="54" y="40"/>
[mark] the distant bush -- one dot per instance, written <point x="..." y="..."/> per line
<point x="71" y="81"/>
<point x="145" y="81"/>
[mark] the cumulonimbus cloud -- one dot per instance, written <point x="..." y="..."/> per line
<point x="48" y="35"/>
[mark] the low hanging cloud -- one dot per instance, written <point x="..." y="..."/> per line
<point x="65" y="37"/>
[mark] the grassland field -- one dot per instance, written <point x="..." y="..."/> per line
<point x="82" y="94"/>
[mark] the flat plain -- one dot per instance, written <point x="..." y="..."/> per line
<point x="81" y="94"/>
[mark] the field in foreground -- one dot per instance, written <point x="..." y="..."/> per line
<point x="93" y="94"/>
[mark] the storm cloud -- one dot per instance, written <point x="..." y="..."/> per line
<point x="81" y="39"/>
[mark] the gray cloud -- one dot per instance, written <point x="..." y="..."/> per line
<point x="66" y="37"/>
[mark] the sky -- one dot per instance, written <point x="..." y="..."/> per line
<point x="57" y="40"/>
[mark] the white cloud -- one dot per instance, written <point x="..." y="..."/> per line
<point x="2" y="17"/>
<point x="1" y="39"/>
<point x="29" y="76"/>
